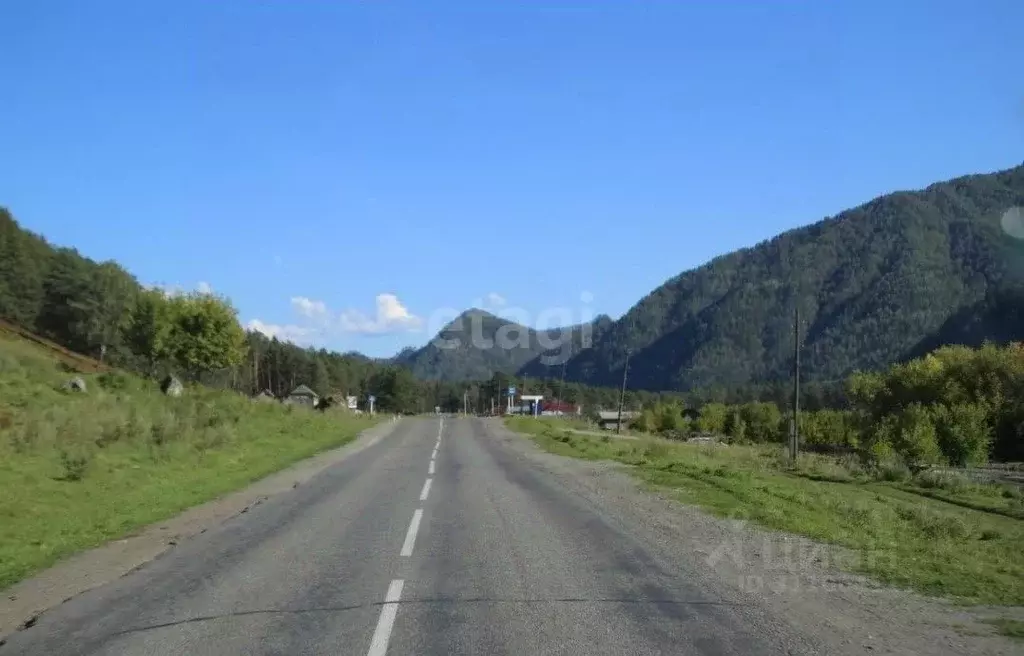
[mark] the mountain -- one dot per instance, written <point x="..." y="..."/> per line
<point x="476" y="344"/>
<point x="873" y="285"/>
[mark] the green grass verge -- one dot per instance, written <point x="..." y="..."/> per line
<point x="77" y="470"/>
<point x="897" y="532"/>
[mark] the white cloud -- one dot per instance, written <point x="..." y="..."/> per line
<point x="309" y="308"/>
<point x="168" y="290"/>
<point x="391" y="317"/>
<point x="171" y="291"/>
<point x="317" y="323"/>
<point x="287" y="332"/>
<point x="495" y="300"/>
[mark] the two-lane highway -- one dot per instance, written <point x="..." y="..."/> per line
<point x="438" y="539"/>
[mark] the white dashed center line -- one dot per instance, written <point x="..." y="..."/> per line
<point x="410" y="536"/>
<point x="381" y="636"/>
<point x="386" y="622"/>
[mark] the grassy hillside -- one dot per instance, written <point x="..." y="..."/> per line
<point x="903" y="272"/>
<point x="78" y="469"/>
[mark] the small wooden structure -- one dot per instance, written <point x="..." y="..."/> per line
<point x="302" y="395"/>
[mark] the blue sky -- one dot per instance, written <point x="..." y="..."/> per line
<point x="347" y="171"/>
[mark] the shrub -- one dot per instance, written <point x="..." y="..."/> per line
<point x="909" y="434"/>
<point x="964" y="433"/>
<point x="73" y="465"/>
<point x="916" y="439"/>
<point x="735" y="426"/>
<point x="113" y="380"/>
<point x="712" y="418"/>
<point x="763" y="421"/>
<point x="951" y="482"/>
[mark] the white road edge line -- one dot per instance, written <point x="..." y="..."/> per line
<point x="430" y="470"/>
<point x="426" y="489"/>
<point x="382" y="634"/>
<point x="410" y="537"/>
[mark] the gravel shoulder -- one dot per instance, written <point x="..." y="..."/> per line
<point x="793" y="578"/>
<point x="23" y="602"/>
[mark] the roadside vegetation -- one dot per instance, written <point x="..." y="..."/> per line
<point x="955" y="407"/>
<point x="938" y="533"/>
<point x="80" y="468"/>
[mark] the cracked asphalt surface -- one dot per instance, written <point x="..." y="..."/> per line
<point x="495" y="556"/>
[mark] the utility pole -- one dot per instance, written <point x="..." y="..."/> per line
<point x="561" y="383"/>
<point x="794" y="436"/>
<point x="465" y="402"/>
<point x="622" y="394"/>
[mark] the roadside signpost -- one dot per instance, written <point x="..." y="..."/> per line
<point x="511" y="395"/>
<point x="372" y="399"/>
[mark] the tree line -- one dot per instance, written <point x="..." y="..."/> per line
<point x="955" y="406"/>
<point x="101" y="310"/>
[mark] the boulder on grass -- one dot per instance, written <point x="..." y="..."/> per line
<point x="76" y="384"/>
<point x="171" y="386"/>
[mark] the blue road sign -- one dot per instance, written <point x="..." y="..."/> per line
<point x="511" y="391"/>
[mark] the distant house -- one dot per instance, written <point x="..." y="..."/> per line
<point x="303" y="395"/>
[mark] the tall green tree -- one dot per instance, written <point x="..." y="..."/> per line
<point x="321" y="379"/>
<point x="147" y="332"/>
<point x="205" y="335"/>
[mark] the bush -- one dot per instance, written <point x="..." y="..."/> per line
<point x="73" y="465"/>
<point x="916" y="441"/>
<point x="948" y="481"/>
<point x="829" y="428"/>
<point x="909" y="434"/>
<point x="763" y="420"/>
<point x="735" y="426"/>
<point x="712" y="418"/>
<point x="112" y="380"/>
<point x="644" y="422"/>
<point x="964" y="433"/>
<point x="670" y="418"/>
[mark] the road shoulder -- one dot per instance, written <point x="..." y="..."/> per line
<point x="793" y="578"/>
<point x="25" y="600"/>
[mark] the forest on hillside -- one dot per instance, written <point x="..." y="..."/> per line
<point x="892" y="279"/>
<point x="895" y="277"/>
<point x="101" y="310"/>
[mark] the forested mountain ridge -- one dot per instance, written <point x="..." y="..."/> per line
<point x="89" y="307"/>
<point x="477" y="344"/>
<point x="901" y="274"/>
<point x="872" y="284"/>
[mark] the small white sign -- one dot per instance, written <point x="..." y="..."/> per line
<point x="351" y="401"/>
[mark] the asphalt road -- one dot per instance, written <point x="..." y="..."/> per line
<point x="436" y="540"/>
